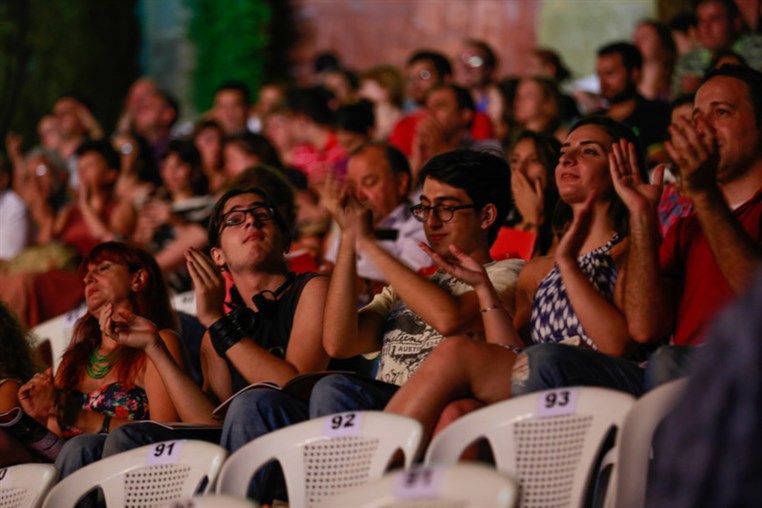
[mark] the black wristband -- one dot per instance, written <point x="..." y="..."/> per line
<point x="225" y="333"/>
<point x="106" y="424"/>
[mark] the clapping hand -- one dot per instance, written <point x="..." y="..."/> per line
<point x="693" y="148"/>
<point x="209" y="285"/>
<point x="636" y="194"/>
<point x="463" y="267"/>
<point x="570" y="244"/>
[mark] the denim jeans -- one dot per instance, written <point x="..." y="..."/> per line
<point x="80" y="451"/>
<point x="253" y="414"/>
<point x="667" y="364"/>
<point x="345" y="392"/>
<point x="558" y="365"/>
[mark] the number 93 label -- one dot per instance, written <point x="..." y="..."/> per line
<point x="557" y="402"/>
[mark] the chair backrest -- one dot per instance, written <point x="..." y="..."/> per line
<point x="513" y="243"/>
<point x="151" y="475"/>
<point x="25" y="485"/>
<point x="58" y="332"/>
<point x="322" y="456"/>
<point x="548" y="440"/>
<point x="455" y="486"/>
<point x="633" y="450"/>
<point x="214" y="501"/>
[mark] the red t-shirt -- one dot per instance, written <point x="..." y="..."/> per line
<point x="404" y="130"/>
<point x="686" y="257"/>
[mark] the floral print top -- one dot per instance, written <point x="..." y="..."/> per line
<point x="116" y="400"/>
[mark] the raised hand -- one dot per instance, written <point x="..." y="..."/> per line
<point x="462" y="266"/>
<point x="636" y="194"/>
<point x="128" y="329"/>
<point x="334" y="196"/>
<point x="528" y="197"/>
<point x="209" y="285"/>
<point x="693" y="148"/>
<point x="572" y="241"/>
<point x="37" y="396"/>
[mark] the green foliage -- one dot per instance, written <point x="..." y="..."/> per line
<point x="52" y="47"/>
<point x="232" y="39"/>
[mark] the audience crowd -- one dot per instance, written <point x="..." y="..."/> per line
<point x="365" y="224"/>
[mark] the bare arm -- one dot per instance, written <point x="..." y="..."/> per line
<point x="498" y="324"/>
<point x="603" y="322"/>
<point x="305" y="347"/>
<point x="346" y="332"/>
<point x="649" y="303"/>
<point x="696" y="153"/>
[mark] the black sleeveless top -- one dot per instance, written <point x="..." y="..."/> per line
<point x="272" y="327"/>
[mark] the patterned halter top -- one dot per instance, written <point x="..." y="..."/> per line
<point x="553" y="318"/>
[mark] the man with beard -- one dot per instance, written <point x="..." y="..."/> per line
<point x="618" y="68"/>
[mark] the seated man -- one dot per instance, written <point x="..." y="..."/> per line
<point x="705" y="260"/>
<point x="379" y="177"/>
<point x="464" y="196"/>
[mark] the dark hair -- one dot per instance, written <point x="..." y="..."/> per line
<point x="681" y="100"/>
<point x="171" y="103"/>
<point x="16" y="358"/>
<point x="550" y="57"/>
<point x="462" y="96"/>
<point x="631" y="57"/>
<point x="358" y="117"/>
<point x="618" y="213"/>
<point x="726" y="53"/>
<point x="325" y="61"/>
<point x="682" y="22"/>
<point x="730" y="6"/>
<point x="236" y="86"/>
<point x="277" y="186"/>
<point x="751" y="77"/>
<point x="484" y="177"/>
<point x="215" y="221"/>
<point x="665" y="38"/>
<point x="188" y="154"/>
<point x="490" y="59"/>
<point x="548" y="148"/>
<point x="311" y="102"/>
<point x="398" y="163"/>
<point x="102" y="148"/>
<point x="152" y="302"/>
<point x="254" y="144"/>
<point x="440" y="62"/>
<point x="77" y="97"/>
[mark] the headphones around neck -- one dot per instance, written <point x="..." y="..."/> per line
<point x="265" y="304"/>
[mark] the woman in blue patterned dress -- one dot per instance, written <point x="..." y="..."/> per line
<point x="571" y="297"/>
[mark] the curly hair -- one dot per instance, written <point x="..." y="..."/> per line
<point x="16" y="358"/>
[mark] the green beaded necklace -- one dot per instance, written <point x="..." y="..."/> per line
<point x="100" y="365"/>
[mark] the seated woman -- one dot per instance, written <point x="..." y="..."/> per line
<point x="533" y="157"/>
<point x="16" y="366"/>
<point x="175" y="218"/>
<point x="571" y="297"/>
<point x="100" y="383"/>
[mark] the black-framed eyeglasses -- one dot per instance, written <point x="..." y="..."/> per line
<point x="260" y="213"/>
<point x="443" y="213"/>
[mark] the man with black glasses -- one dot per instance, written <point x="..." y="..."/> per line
<point x="465" y="195"/>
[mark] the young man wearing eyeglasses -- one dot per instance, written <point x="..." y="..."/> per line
<point x="465" y="196"/>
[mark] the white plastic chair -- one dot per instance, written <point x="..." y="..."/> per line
<point x="25" y="485"/>
<point x="633" y="450"/>
<point x="185" y="302"/>
<point x="548" y="440"/>
<point x="58" y="332"/>
<point x="459" y="485"/>
<point x="214" y="501"/>
<point x="152" y="475"/>
<point x="322" y="456"/>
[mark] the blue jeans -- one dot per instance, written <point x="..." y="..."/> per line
<point x="345" y="392"/>
<point x="667" y="364"/>
<point x="80" y="451"/>
<point x="253" y="414"/>
<point x="547" y="366"/>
